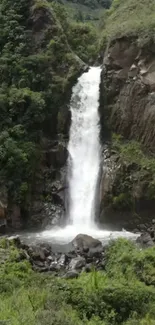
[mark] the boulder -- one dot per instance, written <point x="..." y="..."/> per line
<point x="77" y="263"/>
<point x="62" y="260"/>
<point x="145" y="240"/>
<point x="83" y="242"/>
<point x="15" y="240"/>
<point x="54" y="266"/>
<point x="71" y="275"/>
<point x="88" y="267"/>
<point x="37" y="254"/>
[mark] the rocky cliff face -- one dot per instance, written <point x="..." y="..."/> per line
<point x="128" y="109"/>
<point x="128" y="82"/>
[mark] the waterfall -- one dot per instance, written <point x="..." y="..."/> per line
<point x="84" y="149"/>
<point x="83" y="164"/>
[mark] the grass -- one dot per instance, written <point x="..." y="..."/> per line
<point x="131" y="18"/>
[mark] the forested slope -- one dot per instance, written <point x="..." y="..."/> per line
<point x="37" y="68"/>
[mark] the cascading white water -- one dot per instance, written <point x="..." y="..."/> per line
<point x="84" y="164"/>
<point x="84" y="149"/>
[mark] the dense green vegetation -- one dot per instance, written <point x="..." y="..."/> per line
<point x="93" y="3"/>
<point x="37" y="66"/>
<point x="130" y="18"/>
<point x="39" y="45"/>
<point x="82" y="37"/>
<point x="123" y="294"/>
<point x="137" y="172"/>
<point x="85" y="10"/>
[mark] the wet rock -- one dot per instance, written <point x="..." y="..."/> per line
<point x="37" y="253"/>
<point x="46" y="248"/>
<point x="39" y="264"/>
<point x="88" y="267"/>
<point x="71" y="275"/>
<point x="57" y="157"/>
<point x="50" y="258"/>
<point x="40" y="269"/>
<point x="26" y="255"/>
<point x="95" y="251"/>
<point x="54" y="266"/>
<point x="85" y="242"/>
<point x="151" y="232"/>
<point x="145" y="240"/>
<point x="77" y="263"/>
<point x="62" y="260"/>
<point x="16" y="241"/>
<point x="142" y="228"/>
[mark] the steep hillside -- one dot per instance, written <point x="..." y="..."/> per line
<point x="128" y="109"/>
<point x="86" y="10"/>
<point x="82" y="37"/>
<point x="129" y="18"/>
<point x="38" y="69"/>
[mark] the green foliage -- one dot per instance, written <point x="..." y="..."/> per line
<point x="34" y="80"/>
<point x="123" y="294"/>
<point x="82" y="37"/>
<point x="127" y="18"/>
<point x="95" y="3"/>
<point x="131" y="154"/>
<point x="83" y="40"/>
<point x="122" y="200"/>
<point x="128" y="262"/>
<point x="85" y="10"/>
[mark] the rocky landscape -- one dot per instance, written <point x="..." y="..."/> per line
<point x="83" y="254"/>
<point x="45" y="68"/>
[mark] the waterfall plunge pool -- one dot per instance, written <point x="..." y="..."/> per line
<point x="83" y="167"/>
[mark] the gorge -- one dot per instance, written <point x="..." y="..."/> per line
<point x="77" y="162"/>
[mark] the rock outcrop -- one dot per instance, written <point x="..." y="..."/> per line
<point x="128" y="90"/>
<point x="127" y="109"/>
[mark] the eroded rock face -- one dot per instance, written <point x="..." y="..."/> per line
<point x="127" y="108"/>
<point x="124" y="194"/>
<point x="128" y="91"/>
<point x="48" y="204"/>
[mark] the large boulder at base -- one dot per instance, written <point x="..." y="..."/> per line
<point x="84" y="242"/>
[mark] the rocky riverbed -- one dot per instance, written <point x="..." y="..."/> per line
<point x="83" y="254"/>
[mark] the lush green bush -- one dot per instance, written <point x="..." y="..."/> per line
<point x="123" y="294"/>
<point x="82" y="37"/>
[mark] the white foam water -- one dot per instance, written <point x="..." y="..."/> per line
<point x="84" y="164"/>
<point x="84" y="149"/>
